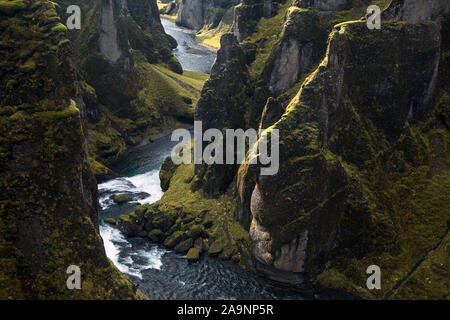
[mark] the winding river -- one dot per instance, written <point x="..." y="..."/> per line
<point x="160" y="273"/>
<point x="191" y="55"/>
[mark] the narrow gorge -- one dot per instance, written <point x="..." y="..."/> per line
<point x="361" y="114"/>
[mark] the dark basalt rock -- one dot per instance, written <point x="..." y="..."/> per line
<point x="224" y="103"/>
<point x="49" y="198"/>
<point x="177" y="237"/>
<point x="184" y="246"/>
<point x="316" y="208"/>
<point x="193" y="254"/>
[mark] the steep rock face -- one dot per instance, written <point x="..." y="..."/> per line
<point x="364" y="149"/>
<point x="48" y="215"/>
<point x="336" y="135"/>
<point x="223" y="104"/>
<point x="323" y="5"/>
<point x="195" y="14"/>
<point x="416" y="10"/>
<point x="145" y="13"/>
<point x="294" y="50"/>
<point x="302" y="44"/>
<point x="127" y="98"/>
<point x="190" y="14"/>
<point x="249" y="12"/>
<point x="245" y="180"/>
<point x="108" y="43"/>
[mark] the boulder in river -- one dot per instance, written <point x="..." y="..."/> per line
<point x="110" y="221"/>
<point x="193" y="254"/>
<point x="121" y="198"/>
<point x="129" y="226"/>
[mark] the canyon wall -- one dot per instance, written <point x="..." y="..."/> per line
<point x="48" y="215"/>
<point x="363" y="122"/>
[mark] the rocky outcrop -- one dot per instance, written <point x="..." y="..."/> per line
<point x="113" y="54"/>
<point x="309" y="211"/>
<point x="223" y="104"/>
<point x="49" y="197"/>
<point x="190" y="14"/>
<point x="416" y="10"/>
<point x="302" y="45"/>
<point x="146" y="15"/>
<point x="195" y="14"/>
<point x="108" y="42"/>
<point x="364" y="155"/>
<point x="165" y="174"/>
<point x="249" y="12"/>
<point x="323" y="5"/>
<point x="184" y="232"/>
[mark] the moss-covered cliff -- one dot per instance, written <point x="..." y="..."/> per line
<point x="48" y="203"/>
<point x="132" y="84"/>
<point x="364" y="174"/>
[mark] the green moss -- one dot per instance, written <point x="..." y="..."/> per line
<point x="61" y="228"/>
<point x="193" y="254"/>
<point x="216" y="247"/>
<point x="125" y="218"/>
<point x="28" y="66"/>
<point x="11" y="6"/>
<point x="217" y="214"/>
<point x="156" y="235"/>
<point x="177" y="237"/>
<point x="267" y="32"/>
<point x="58" y="28"/>
<point x="196" y="231"/>
<point x="430" y="280"/>
<point x="121" y="198"/>
<point x="175" y="66"/>
<point x="110" y="221"/>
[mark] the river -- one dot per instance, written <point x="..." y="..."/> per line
<point x="161" y="273"/>
<point x="191" y="55"/>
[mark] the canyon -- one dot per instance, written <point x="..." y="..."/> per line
<point x="363" y="121"/>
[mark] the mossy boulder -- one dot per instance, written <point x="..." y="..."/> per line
<point x="193" y="254"/>
<point x="164" y="221"/>
<point x="156" y="235"/>
<point x="110" y="221"/>
<point x="216" y="247"/>
<point x="184" y="245"/>
<point x="175" y="239"/>
<point x="130" y="225"/>
<point x="227" y="252"/>
<point x="198" y="243"/>
<point x="196" y="231"/>
<point x="121" y="198"/>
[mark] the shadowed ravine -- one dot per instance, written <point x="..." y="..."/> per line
<point x="159" y="273"/>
